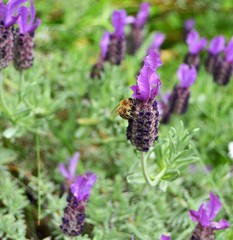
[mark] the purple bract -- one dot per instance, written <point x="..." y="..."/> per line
<point x="207" y="212"/>
<point x="229" y="51"/>
<point x="189" y="24"/>
<point x="165" y="237"/>
<point x="104" y="44"/>
<point x="195" y="43"/>
<point x="217" y="45"/>
<point x="187" y="75"/>
<point x="82" y="186"/>
<point x="148" y="82"/>
<point x="119" y="20"/>
<point x="157" y="41"/>
<point x="27" y="20"/>
<point x="69" y="171"/>
<point x="142" y="15"/>
<point x="10" y="13"/>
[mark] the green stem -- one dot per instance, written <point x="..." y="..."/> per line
<point x="38" y="175"/>
<point x="3" y="103"/>
<point x="21" y="83"/>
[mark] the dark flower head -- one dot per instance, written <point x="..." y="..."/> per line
<point x="189" y="24"/>
<point x="27" y="20"/>
<point x="119" y="20"/>
<point x="217" y="45"/>
<point x="195" y="43"/>
<point x="157" y="41"/>
<point x="142" y="15"/>
<point x="9" y="13"/>
<point x="165" y="237"/>
<point x="104" y="44"/>
<point x="207" y="212"/>
<point x="69" y="171"/>
<point x="148" y="82"/>
<point x="82" y="186"/>
<point x="229" y="51"/>
<point x="187" y="75"/>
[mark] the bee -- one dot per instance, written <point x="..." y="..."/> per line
<point x="124" y="108"/>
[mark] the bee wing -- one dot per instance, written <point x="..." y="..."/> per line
<point x="114" y="112"/>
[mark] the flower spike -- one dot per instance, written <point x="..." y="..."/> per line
<point x="217" y="45"/>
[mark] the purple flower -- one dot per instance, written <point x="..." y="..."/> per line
<point x="157" y="41"/>
<point x="142" y="15"/>
<point x="9" y="12"/>
<point x="82" y="186"/>
<point x="207" y="212"/>
<point x="119" y="20"/>
<point x="229" y="51"/>
<point x="104" y="44"/>
<point x="195" y="43"/>
<point x="148" y="82"/>
<point x="28" y="21"/>
<point x="186" y="75"/>
<point x="217" y="45"/>
<point x="69" y="171"/>
<point x="165" y="237"/>
<point x="189" y="24"/>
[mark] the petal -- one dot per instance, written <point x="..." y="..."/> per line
<point x="203" y="217"/>
<point x="213" y="207"/>
<point x="24" y="14"/>
<point x="157" y="41"/>
<point x="222" y="224"/>
<point x="217" y="45"/>
<point x="195" y="43"/>
<point x="63" y="170"/>
<point x="186" y="75"/>
<point x="73" y="164"/>
<point x="229" y="51"/>
<point x="142" y="15"/>
<point x="118" y="22"/>
<point x="189" y="24"/>
<point x="165" y="237"/>
<point x="104" y="44"/>
<point x="153" y="59"/>
<point x="194" y="215"/>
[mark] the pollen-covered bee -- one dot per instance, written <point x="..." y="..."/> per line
<point x="124" y="108"/>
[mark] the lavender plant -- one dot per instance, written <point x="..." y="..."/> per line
<point x="195" y="44"/>
<point x="135" y="37"/>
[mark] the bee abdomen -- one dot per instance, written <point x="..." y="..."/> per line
<point x="193" y="60"/>
<point x="222" y="72"/>
<point x="178" y="101"/>
<point x="210" y="62"/>
<point x="116" y="50"/>
<point x="142" y="128"/>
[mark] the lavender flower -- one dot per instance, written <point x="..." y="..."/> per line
<point x="178" y="102"/>
<point x="195" y="44"/>
<point x="24" y="37"/>
<point x="135" y="37"/>
<point x="99" y="66"/>
<point x="74" y="214"/>
<point x="204" y="216"/>
<point x="165" y="237"/>
<point x="163" y="108"/>
<point x="216" y="47"/>
<point x="8" y="16"/>
<point x="157" y="41"/>
<point x="142" y="128"/>
<point x="223" y="70"/>
<point x="142" y="15"/>
<point x="117" y="45"/>
<point x="69" y="171"/>
<point x="189" y="24"/>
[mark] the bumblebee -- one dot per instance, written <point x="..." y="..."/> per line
<point x="124" y="108"/>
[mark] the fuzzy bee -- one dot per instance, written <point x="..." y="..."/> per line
<point x="124" y="108"/>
